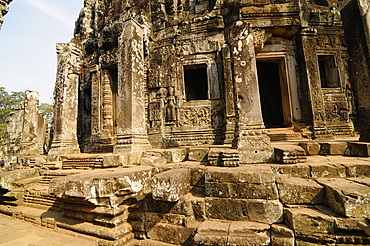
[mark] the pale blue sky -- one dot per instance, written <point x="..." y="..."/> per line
<point x="27" y="43"/>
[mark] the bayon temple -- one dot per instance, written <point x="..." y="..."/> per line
<point x="202" y="122"/>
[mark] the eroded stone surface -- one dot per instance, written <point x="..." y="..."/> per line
<point x="171" y="185"/>
<point x="104" y="187"/>
<point x="299" y="191"/>
<point x="264" y="211"/>
<point x="346" y="197"/>
<point x="282" y="235"/>
<point x="213" y="232"/>
<point x="308" y="220"/>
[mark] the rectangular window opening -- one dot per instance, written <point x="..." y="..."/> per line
<point x="329" y="74"/>
<point x="196" y="82"/>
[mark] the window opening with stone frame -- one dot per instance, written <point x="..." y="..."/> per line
<point x="329" y="74"/>
<point x="196" y="82"/>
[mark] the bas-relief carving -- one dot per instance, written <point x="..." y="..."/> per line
<point x="170" y="107"/>
<point x="198" y="117"/>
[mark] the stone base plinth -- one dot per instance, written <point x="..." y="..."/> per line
<point x="254" y="149"/>
<point x="60" y="149"/>
<point x="131" y="144"/>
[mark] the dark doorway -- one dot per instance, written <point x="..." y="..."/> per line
<point x="270" y="94"/>
<point x="196" y="83"/>
<point x="114" y="88"/>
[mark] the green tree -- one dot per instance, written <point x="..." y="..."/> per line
<point x="8" y="103"/>
<point x="47" y="110"/>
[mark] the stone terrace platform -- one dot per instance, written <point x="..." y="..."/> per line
<point x="313" y="194"/>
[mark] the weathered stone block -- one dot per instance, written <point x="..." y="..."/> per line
<point x="246" y="233"/>
<point x="236" y="233"/>
<point x="289" y="154"/>
<point x="281" y="235"/>
<point x="333" y="148"/>
<point x="198" y="154"/>
<point x="346" y="197"/>
<point x="153" y="161"/>
<point x="266" y="190"/>
<point x="357" y="168"/>
<point x="308" y="220"/>
<point x="111" y="161"/>
<point x="299" y="191"/>
<point x="102" y="187"/>
<point x="7" y="179"/>
<point x="175" y="155"/>
<point x="359" y="149"/>
<point x="291" y="170"/>
<point x="170" y="233"/>
<point x="197" y="171"/>
<point x="311" y="148"/>
<point x="212" y="232"/>
<point x="323" y="170"/>
<point x="264" y="211"/>
<point x="246" y="174"/>
<point x="171" y="185"/>
<point x="225" y="157"/>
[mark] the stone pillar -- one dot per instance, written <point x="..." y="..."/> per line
<point x="29" y="142"/>
<point x="316" y="99"/>
<point x="95" y="104"/>
<point x="229" y="95"/>
<point x="364" y="105"/>
<point x="364" y="6"/>
<point x="251" y="138"/>
<point x="131" y="123"/>
<point x="66" y="101"/>
<point x="107" y="131"/>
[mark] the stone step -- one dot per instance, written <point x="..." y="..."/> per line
<point x="347" y="197"/>
<point x="223" y="232"/>
<point x="289" y="154"/>
<point x="284" y="134"/>
<point x="82" y="163"/>
<point x="148" y="242"/>
<point x="320" y="226"/>
<point x="53" y="165"/>
<point x="225" y="157"/>
<point x="299" y="191"/>
<point x="37" y="199"/>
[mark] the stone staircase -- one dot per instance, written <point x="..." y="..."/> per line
<point x="312" y="195"/>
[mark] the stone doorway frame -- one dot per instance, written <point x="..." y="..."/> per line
<point x="285" y="87"/>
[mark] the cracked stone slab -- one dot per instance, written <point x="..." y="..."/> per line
<point x="347" y="197"/>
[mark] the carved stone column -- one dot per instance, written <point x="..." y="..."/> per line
<point x="131" y="124"/>
<point x="107" y="131"/>
<point x="95" y="104"/>
<point x="315" y="94"/>
<point x="66" y="99"/>
<point x="251" y="138"/>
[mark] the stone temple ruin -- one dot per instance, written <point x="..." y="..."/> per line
<point x="207" y="122"/>
<point x="24" y="133"/>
